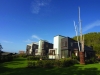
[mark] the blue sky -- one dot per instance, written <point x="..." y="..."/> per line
<point x="26" y="21"/>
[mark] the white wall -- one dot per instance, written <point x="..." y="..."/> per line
<point x="57" y="45"/>
<point x="40" y="47"/>
<point x="30" y="51"/>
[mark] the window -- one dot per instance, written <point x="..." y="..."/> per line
<point x="36" y="51"/>
<point x="46" y="45"/>
<point x="64" y="53"/>
<point x="34" y="46"/>
<point x="52" y="52"/>
<point x="29" y="47"/>
<point x="71" y="44"/>
<point x="62" y="44"/>
<point x="65" y="44"/>
<point x="42" y="45"/>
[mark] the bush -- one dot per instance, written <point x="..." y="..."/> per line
<point x="31" y="64"/>
<point x="32" y="58"/>
<point x="24" y="55"/>
<point x="53" y="63"/>
<point x="91" y="60"/>
<point x="6" y="58"/>
<point x="44" y="63"/>
<point x="39" y="63"/>
<point x="67" y="62"/>
<point x="48" y="64"/>
<point x="57" y="63"/>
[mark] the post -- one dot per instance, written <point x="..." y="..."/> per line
<point x="76" y="30"/>
<point x="81" y="53"/>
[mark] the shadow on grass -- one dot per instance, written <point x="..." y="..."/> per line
<point x="73" y="70"/>
<point x="20" y="59"/>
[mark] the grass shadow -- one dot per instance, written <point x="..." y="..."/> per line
<point x="73" y="70"/>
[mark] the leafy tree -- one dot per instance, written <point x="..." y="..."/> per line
<point x="92" y="39"/>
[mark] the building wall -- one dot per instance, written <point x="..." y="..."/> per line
<point x="30" y="49"/>
<point x="72" y="47"/>
<point x="34" y="47"/>
<point x="21" y="52"/>
<point x="57" y="45"/>
<point x="44" y="47"/>
<point x="40" y="47"/>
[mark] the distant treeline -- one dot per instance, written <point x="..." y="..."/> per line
<point x="92" y="39"/>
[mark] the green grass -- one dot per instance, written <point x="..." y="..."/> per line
<point x="18" y="67"/>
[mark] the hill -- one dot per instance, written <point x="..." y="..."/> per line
<point x="92" y="39"/>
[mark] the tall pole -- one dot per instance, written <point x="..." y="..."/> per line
<point x="81" y="53"/>
<point x="76" y="30"/>
<point x="81" y="39"/>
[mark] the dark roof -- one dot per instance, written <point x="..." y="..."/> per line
<point x="47" y="41"/>
<point x="60" y="35"/>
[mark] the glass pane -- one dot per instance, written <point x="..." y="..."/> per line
<point x="66" y="53"/>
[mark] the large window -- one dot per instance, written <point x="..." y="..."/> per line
<point x="64" y="53"/>
<point x="36" y="51"/>
<point x="65" y="44"/>
<point x="52" y="52"/>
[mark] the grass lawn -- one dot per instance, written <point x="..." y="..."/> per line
<point x="18" y="67"/>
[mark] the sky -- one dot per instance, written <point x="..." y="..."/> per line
<point x="26" y="21"/>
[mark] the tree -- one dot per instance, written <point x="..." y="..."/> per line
<point x="0" y="50"/>
<point x="92" y="39"/>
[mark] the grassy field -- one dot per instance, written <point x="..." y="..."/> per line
<point x="18" y="67"/>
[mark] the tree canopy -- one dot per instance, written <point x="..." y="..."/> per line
<point x="92" y="39"/>
<point x="1" y="47"/>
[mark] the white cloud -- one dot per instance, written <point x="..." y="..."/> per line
<point x="36" y="37"/>
<point x="37" y="4"/>
<point x="7" y="41"/>
<point x="28" y="41"/>
<point x="92" y="25"/>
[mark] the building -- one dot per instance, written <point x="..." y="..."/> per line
<point x="40" y="48"/>
<point x="21" y="52"/>
<point x="44" y="46"/>
<point x="65" y="46"/>
<point x="55" y="53"/>
<point x="31" y="48"/>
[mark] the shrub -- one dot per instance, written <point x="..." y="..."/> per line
<point x="91" y="60"/>
<point x="48" y="64"/>
<point x="6" y="58"/>
<point x="31" y="64"/>
<point x="57" y="63"/>
<point x="66" y="62"/>
<point x="39" y="63"/>
<point x="53" y="63"/>
<point x="24" y="55"/>
<point x="75" y="61"/>
<point x="32" y="58"/>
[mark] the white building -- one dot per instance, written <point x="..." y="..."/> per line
<point x="40" y="47"/>
<point x="55" y="53"/>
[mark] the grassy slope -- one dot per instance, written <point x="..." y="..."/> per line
<point x="18" y="67"/>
